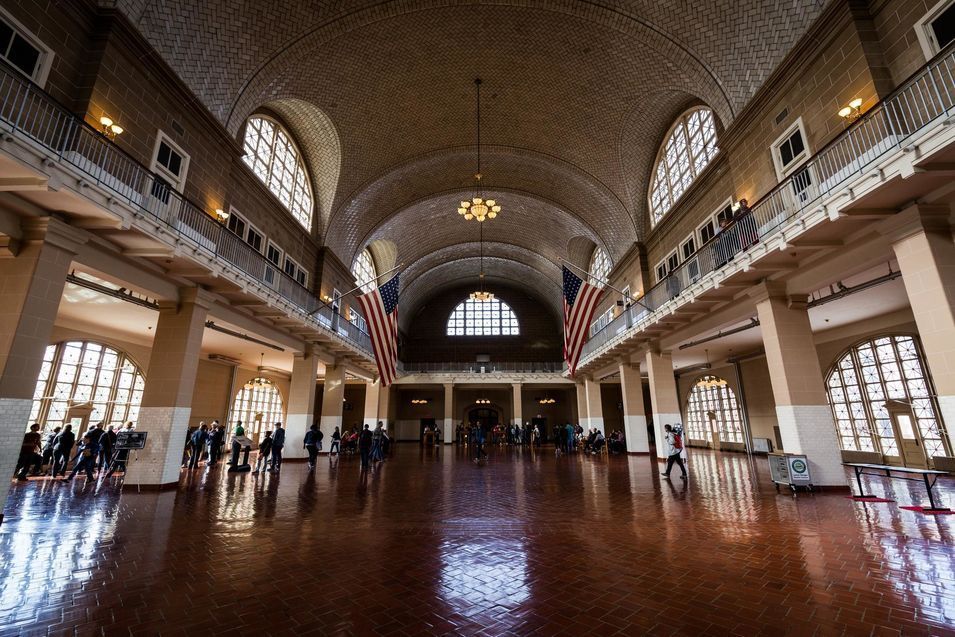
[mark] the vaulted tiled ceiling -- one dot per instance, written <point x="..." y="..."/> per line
<point x="577" y="97"/>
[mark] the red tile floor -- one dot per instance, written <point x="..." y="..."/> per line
<point x="432" y="544"/>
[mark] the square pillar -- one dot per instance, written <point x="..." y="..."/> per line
<point x="663" y="396"/>
<point x="371" y="415"/>
<point x="595" y="410"/>
<point x="170" y="381"/>
<point x="634" y="411"/>
<point x="447" y="427"/>
<point x="301" y="405"/>
<point x="922" y="241"/>
<point x="333" y="398"/>
<point x="384" y="406"/>
<point x="802" y="406"/>
<point x="31" y="286"/>
<point x="582" y="405"/>
<point x="517" y="398"/>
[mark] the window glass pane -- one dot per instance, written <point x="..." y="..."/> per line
<point x="482" y="318"/>
<point x="23" y="55"/>
<point x="364" y="271"/>
<point x="599" y="267"/>
<point x="274" y="159"/>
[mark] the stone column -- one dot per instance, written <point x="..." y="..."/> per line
<point x="663" y="396"/>
<point x="333" y="398"/>
<point x="301" y="405"/>
<point x="170" y="381"/>
<point x="802" y="407"/>
<point x="517" y="398"/>
<point x="384" y="407"/>
<point x="634" y="411"/>
<point x="595" y="410"/>
<point x="31" y="286"/>
<point x="582" y="405"/>
<point x="922" y="241"/>
<point x="372" y="400"/>
<point x="447" y="428"/>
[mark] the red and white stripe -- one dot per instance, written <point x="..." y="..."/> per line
<point x="577" y="320"/>
<point x="383" y="329"/>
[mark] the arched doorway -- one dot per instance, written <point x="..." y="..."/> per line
<point x="258" y="404"/>
<point x="713" y="415"/>
<point x="883" y="402"/>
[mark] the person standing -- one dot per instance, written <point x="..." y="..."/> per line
<point x="48" y="446"/>
<point x="311" y="445"/>
<point x="85" y="459"/>
<point x="62" y="447"/>
<point x="376" y="442"/>
<point x="107" y="443"/>
<point x="536" y="436"/>
<point x="364" y="446"/>
<point x="278" y="443"/>
<point x="29" y="452"/>
<point x="335" y="449"/>
<point x="199" y="438"/>
<point x="265" y="449"/>
<point x="674" y="445"/>
<point x="571" y="438"/>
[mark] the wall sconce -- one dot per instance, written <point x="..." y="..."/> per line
<point x="547" y="401"/>
<point x="851" y="111"/>
<point x="110" y="128"/>
<point x="326" y="298"/>
<point x="419" y="401"/>
<point x="222" y="215"/>
<point x="482" y="401"/>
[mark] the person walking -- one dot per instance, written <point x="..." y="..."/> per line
<point x="85" y="459"/>
<point x="62" y="447"/>
<point x="265" y="449"/>
<point x="29" y="452"/>
<point x="376" y="442"/>
<point x="198" y="440"/>
<point x="278" y="443"/>
<point x="311" y="445"/>
<point x="364" y="446"/>
<point x="335" y="449"/>
<point x="479" y="452"/>
<point x="674" y="446"/>
<point x="107" y="442"/>
<point x="536" y="436"/>
<point x="48" y="446"/>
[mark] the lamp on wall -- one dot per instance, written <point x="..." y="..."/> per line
<point x="419" y="401"/>
<point x="110" y="128"/>
<point x="482" y="401"/>
<point x="851" y="111"/>
<point x="222" y="215"/>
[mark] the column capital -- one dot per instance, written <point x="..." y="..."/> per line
<point x="765" y="290"/>
<point x="918" y="217"/>
<point x="56" y="232"/>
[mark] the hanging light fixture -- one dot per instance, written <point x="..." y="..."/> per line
<point x="478" y="207"/>
<point x="259" y="382"/>
<point x="481" y="294"/>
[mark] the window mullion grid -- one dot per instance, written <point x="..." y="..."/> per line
<point x="874" y="434"/>
<point x="46" y="400"/>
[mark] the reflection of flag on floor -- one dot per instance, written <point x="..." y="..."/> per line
<point x="380" y="307"/>
<point x="580" y="302"/>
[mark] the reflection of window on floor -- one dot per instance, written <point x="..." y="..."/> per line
<point x="88" y="376"/>
<point x="713" y="400"/>
<point x="867" y="375"/>
<point x="258" y="404"/>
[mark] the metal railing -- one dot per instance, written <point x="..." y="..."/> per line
<point x="29" y="113"/>
<point x="927" y="96"/>
<point x="530" y="367"/>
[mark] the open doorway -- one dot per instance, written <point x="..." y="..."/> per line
<point x="911" y="449"/>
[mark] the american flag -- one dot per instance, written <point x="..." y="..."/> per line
<point x="580" y="302"/>
<point x="380" y="307"/>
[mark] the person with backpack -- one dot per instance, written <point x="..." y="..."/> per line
<point x="674" y="445"/>
<point x="312" y="442"/>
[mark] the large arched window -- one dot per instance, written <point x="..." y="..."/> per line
<point x="888" y="368"/>
<point x="364" y="271"/>
<point x="273" y="157"/>
<point x="599" y="267"/>
<point x="712" y="405"/>
<point x="689" y="147"/>
<point x="87" y="380"/>
<point x="483" y="318"/>
<point x="258" y="404"/>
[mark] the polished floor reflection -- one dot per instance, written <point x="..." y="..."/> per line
<point x="431" y="543"/>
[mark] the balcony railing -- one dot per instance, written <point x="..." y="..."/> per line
<point x="926" y="97"/>
<point x="542" y="367"/>
<point x="29" y="113"/>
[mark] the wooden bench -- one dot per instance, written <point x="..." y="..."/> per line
<point x="929" y="476"/>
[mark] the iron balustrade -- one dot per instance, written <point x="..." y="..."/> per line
<point x="35" y="117"/>
<point x="924" y="98"/>
<point x="530" y="367"/>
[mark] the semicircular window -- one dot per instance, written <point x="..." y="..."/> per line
<point x="274" y="158"/>
<point x="483" y="318"/>
<point x="688" y="148"/>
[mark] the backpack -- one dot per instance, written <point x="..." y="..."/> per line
<point x="677" y="441"/>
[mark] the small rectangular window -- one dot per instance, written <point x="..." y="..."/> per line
<point x="170" y="161"/>
<point x="273" y="254"/>
<point x="22" y="50"/>
<point x="673" y="261"/>
<point x="936" y="29"/>
<point x="943" y="27"/>
<point x="790" y="149"/>
<point x="661" y="270"/>
<point x="707" y="231"/>
<point x="726" y="213"/>
<point x="254" y="238"/>
<point x="236" y="224"/>
<point x="688" y="247"/>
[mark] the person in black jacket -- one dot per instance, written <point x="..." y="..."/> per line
<point x="216" y="438"/>
<point x="199" y="438"/>
<point x="278" y="443"/>
<point x="311" y="445"/>
<point x="265" y="449"/>
<point x="336" y="443"/>
<point x="48" y="446"/>
<point x="107" y="441"/>
<point x="364" y="446"/>
<point x="62" y="447"/>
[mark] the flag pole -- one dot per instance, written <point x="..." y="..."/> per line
<point x="625" y="295"/>
<point x="355" y="289"/>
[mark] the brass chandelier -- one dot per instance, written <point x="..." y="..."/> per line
<point x="478" y="207"/>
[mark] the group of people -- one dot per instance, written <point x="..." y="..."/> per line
<point x="53" y="455"/>
<point x="513" y="434"/>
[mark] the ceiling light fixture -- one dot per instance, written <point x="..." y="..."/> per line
<point x="478" y="207"/>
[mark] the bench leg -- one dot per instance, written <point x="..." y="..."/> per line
<point x="931" y="498"/>
<point x="859" y="481"/>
